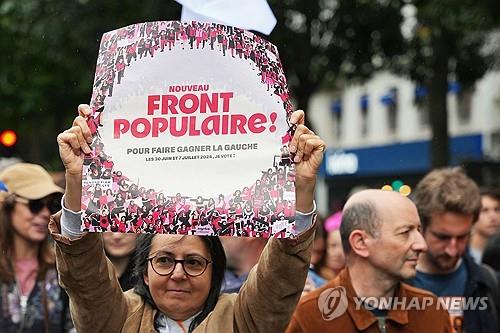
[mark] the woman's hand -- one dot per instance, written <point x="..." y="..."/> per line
<point x="308" y="149"/>
<point x="73" y="144"/>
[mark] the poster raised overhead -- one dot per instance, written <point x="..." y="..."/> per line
<point x="191" y="132"/>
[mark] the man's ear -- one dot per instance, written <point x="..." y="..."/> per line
<point x="358" y="241"/>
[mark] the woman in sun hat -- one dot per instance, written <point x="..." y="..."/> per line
<point x="30" y="297"/>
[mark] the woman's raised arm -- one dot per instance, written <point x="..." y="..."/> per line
<point x="268" y="298"/>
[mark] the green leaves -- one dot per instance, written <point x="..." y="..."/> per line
<point x="48" y="53"/>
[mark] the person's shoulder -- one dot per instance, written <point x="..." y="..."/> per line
<point x="413" y="291"/>
<point x="481" y="273"/>
<point x="311" y="299"/>
<point x="225" y="301"/>
<point x="425" y="300"/>
<point x="227" y="298"/>
<point x="309" y="313"/>
<point x="225" y="304"/>
<point x="135" y="302"/>
<point x="137" y="311"/>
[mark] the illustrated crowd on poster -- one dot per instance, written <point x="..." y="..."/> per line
<point x="113" y="202"/>
<point x="132" y="43"/>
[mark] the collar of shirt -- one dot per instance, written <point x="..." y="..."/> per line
<point x="164" y="324"/>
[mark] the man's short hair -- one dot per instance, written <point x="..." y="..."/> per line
<point x="446" y="190"/>
<point x="490" y="192"/>
<point x="359" y="216"/>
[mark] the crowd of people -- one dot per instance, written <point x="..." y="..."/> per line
<point x="438" y="247"/>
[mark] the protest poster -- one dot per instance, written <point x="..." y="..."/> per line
<point x="190" y="126"/>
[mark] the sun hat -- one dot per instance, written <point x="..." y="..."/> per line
<point x="29" y="181"/>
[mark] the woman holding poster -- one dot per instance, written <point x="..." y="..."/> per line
<point x="181" y="298"/>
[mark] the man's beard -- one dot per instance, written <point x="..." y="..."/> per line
<point x="443" y="262"/>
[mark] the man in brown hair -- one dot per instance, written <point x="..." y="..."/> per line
<point x="449" y="203"/>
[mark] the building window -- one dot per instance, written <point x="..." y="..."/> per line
<point x="390" y="101"/>
<point x="422" y="102"/>
<point x="336" y="108"/>
<point x="464" y="101"/>
<point x="363" y="105"/>
<point x="495" y="144"/>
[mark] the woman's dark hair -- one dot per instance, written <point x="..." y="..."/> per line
<point x="320" y="234"/>
<point x="218" y="257"/>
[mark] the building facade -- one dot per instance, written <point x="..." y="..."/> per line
<point x="378" y="133"/>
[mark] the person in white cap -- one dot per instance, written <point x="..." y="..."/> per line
<point x="30" y="297"/>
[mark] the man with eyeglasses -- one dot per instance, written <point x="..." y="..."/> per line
<point x="449" y="203"/>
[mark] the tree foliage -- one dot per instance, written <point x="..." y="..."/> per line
<point x="448" y="45"/>
<point x="49" y="49"/>
<point x="328" y="41"/>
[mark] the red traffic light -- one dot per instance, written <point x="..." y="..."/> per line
<point x="8" y="138"/>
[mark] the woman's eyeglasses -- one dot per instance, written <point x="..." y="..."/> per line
<point x="53" y="203"/>
<point x="164" y="264"/>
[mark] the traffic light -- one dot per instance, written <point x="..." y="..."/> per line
<point x="8" y="140"/>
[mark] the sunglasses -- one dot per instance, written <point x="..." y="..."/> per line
<point x="53" y="204"/>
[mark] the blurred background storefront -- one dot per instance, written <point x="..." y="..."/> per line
<point x="378" y="134"/>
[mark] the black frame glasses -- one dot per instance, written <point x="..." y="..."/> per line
<point x="52" y="202"/>
<point x="164" y="264"/>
